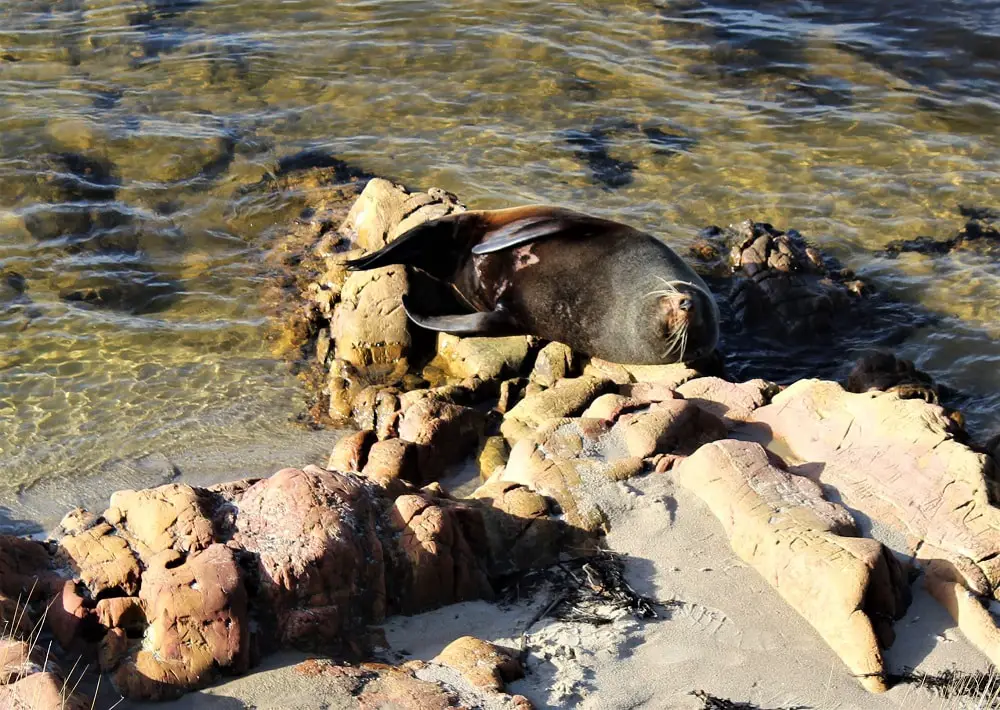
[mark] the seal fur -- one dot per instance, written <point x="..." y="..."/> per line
<point x="603" y="288"/>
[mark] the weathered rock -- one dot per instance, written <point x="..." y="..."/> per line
<point x="25" y="566"/>
<point x="392" y="464"/>
<point x="101" y="558"/>
<point x="376" y="409"/>
<point x="898" y="463"/>
<point x="18" y="659"/>
<point x="385" y="210"/>
<point x="482" y="663"/>
<point x="676" y="427"/>
<point x="784" y="285"/>
<point x="492" y="456"/>
<point x="158" y="519"/>
<point x="547" y="462"/>
<point x="519" y="530"/>
<point x="848" y="588"/>
<point x="567" y="398"/>
<point x="486" y="358"/>
<point x="40" y="691"/>
<point x="198" y="626"/>
<point x="610" y="406"/>
<point x="554" y="362"/>
<point x="439" y="544"/>
<point x="26" y="576"/>
<point x="320" y="568"/>
<point x="67" y="615"/>
<point x="369" y="324"/>
<point x="350" y="453"/>
<point x="444" y="434"/>
<point x="668" y="375"/>
<point x="732" y="403"/>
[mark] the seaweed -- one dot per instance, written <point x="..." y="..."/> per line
<point x="712" y="702"/>
<point x="983" y="686"/>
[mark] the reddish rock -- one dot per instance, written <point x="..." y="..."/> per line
<point x="198" y="627"/>
<point x="439" y="556"/>
<point x="675" y="426"/>
<point x="320" y="567"/>
<point x="40" y="691"/>
<point x="167" y="517"/>
<point x="392" y="464"/>
<point x="18" y="659"/>
<point x="351" y="452"/>
<point x="519" y="529"/>
<point x="733" y="403"/>
<point x="483" y="664"/>
<point x="102" y="559"/>
<point x="444" y="434"/>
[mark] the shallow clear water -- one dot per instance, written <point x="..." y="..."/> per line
<point x="857" y="123"/>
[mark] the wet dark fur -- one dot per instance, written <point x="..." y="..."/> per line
<point x="586" y="282"/>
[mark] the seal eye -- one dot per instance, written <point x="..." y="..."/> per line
<point x="685" y="304"/>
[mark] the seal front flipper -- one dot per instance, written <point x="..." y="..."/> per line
<point x="539" y="223"/>
<point x="489" y="323"/>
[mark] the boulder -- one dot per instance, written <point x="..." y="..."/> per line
<point x="443" y="433"/>
<point x="319" y="563"/>
<point x="350" y="453"/>
<point x="413" y="686"/>
<point x="883" y="371"/>
<point x="369" y="324"/>
<point x="848" y="588"/>
<point x="198" y="628"/>
<point x="486" y="358"/>
<point x="492" y="456"/>
<point x="385" y="210"/>
<point x="566" y="398"/>
<point x="672" y="427"/>
<point x="898" y="463"/>
<point x="731" y="402"/>
<point x="158" y="519"/>
<point x="44" y="690"/>
<point x="101" y="559"/>
<point x="670" y="375"/>
<point x="482" y="663"/>
<point x="520" y="532"/>
<point x="554" y="362"/>
<point x="439" y="554"/>
<point x="548" y="463"/>
<point x="392" y="464"/>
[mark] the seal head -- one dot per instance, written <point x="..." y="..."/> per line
<point x="682" y="321"/>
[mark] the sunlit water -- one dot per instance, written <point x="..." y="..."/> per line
<point x="857" y="123"/>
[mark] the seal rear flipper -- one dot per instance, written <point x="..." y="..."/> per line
<point x="430" y="246"/>
<point x="489" y="323"/>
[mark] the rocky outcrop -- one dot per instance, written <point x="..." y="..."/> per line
<point x="979" y="235"/>
<point x="897" y="461"/>
<point x="848" y="587"/>
<point x="171" y="588"/>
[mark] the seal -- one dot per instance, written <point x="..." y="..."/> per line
<point x="603" y="288"/>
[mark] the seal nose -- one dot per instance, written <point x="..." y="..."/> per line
<point x="685" y="304"/>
